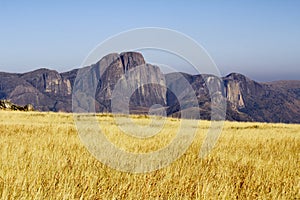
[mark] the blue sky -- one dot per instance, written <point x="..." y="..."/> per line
<point x="260" y="39"/>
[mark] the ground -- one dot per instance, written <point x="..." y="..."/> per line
<point x="42" y="157"/>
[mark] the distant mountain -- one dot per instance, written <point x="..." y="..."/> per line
<point x="246" y="100"/>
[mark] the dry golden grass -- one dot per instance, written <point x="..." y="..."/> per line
<point x="42" y="158"/>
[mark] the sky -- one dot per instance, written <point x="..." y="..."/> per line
<point x="260" y="39"/>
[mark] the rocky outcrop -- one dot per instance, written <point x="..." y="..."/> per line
<point x="246" y="99"/>
<point x="46" y="90"/>
<point x="7" y="105"/>
<point x="262" y="102"/>
<point x="237" y="86"/>
<point x="49" y="81"/>
<point x="128" y="81"/>
<point x="234" y="94"/>
<point x="131" y="59"/>
<point x="125" y="77"/>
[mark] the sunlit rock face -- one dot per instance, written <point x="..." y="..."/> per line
<point x="141" y="84"/>
<point x="234" y="94"/>
<point x="49" y="81"/>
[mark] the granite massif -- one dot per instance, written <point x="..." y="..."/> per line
<point x="146" y="85"/>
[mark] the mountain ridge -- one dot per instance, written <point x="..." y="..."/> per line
<point x="246" y="100"/>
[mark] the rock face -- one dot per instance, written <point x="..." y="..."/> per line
<point x="125" y="77"/>
<point x="234" y="94"/>
<point x="131" y="60"/>
<point x="48" y="81"/>
<point x="47" y="90"/>
<point x="127" y="81"/>
<point x="264" y="102"/>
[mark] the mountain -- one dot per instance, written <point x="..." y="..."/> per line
<point x="126" y="83"/>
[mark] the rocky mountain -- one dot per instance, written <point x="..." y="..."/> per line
<point x="126" y="83"/>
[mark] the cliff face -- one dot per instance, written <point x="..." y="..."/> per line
<point x="246" y="99"/>
<point x="234" y="94"/>
<point x="46" y="89"/>
<point x="263" y="102"/>
<point x="48" y="81"/>
<point x="127" y="80"/>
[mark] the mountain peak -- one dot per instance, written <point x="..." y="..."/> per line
<point x="131" y="60"/>
<point x="237" y="76"/>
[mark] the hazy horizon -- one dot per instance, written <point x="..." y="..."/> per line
<point x="258" y="39"/>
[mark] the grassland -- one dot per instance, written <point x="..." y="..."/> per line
<point x="42" y="157"/>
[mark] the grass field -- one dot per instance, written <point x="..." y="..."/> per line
<point x="42" y="157"/>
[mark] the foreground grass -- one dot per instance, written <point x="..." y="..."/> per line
<point x="42" y="158"/>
